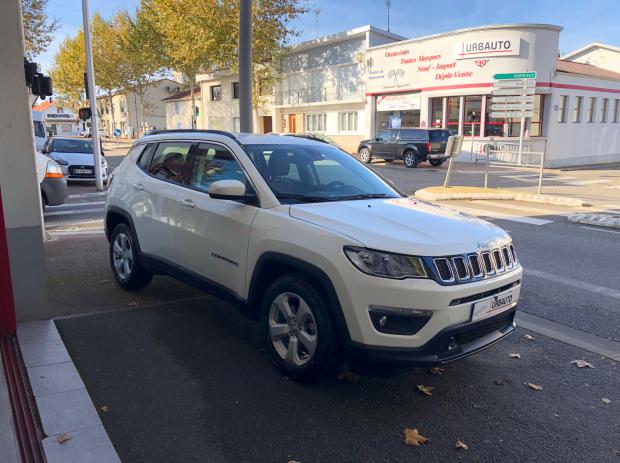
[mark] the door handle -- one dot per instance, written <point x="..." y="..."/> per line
<point x="138" y="186"/>
<point x="187" y="203"/>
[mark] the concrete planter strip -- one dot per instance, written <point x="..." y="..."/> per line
<point x="599" y="220"/>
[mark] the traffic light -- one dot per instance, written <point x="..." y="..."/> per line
<point x="84" y="113"/>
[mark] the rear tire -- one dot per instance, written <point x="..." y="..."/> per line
<point x="298" y="329"/>
<point x="410" y="159"/>
<point x="435" y="162"/>
<point x="365" y="156"/>
<point x="125" y="259"/>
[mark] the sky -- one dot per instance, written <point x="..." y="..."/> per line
<point x="583" y="21"/>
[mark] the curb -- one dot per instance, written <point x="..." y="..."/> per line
<point x="481" y="193"/>
<point x="600" y="220"/>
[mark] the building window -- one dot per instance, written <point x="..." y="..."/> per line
<point x="473" y="110"/>
<point x="562" y="108"/>
<point x="616" y="111"/>
<point x="348" y="122"/>
<point x="591" y="105"/>
<point x="604" y="109"/>
<point x="316" y="122"/>
<point x="236" y="124"/>
<point x="536" y="122"/>
<point x="235" y="89"/>
<point x="216" y="93"/>
<point x="176" y="107"/>
<point x="454" y="110"/>
<point x="436" y="112"/>
<point x="577" y="109"/>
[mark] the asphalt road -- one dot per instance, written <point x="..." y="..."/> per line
<point x="185" y="377"/>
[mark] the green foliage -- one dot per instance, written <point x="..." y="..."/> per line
<point x="38" y="28"/>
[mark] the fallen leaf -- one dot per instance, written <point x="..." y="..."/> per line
<point x="413" y="437"/>
<point x="536" y="387"/>
<point x="581" y="363"/>
<point x="436" y="371"/>
<point x="529" y="337"/>
<point x="349" y="377"/>
<point x="103" y="281"/>
<point x="615" y="452"/>
<point x="476" y="405"/>
<point x="500" y="382"/>
<point x="133" y="304"/>
<point x="606" y="400"/>
<point x="461" y="445"/>
<point x="428" y="390"/>
<point x="293" y="461"/>
<point x="104" y="408"/>
<point x="62" y="438"/>
<point x="515" y="355"/>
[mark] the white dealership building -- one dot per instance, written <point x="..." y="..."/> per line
<point x="444" y="79"/>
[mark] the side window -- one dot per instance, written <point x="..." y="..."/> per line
<point x="212" y="163"/>
<point x="168" y="161"/>
<point x="141" y="154"/>
<point x="393" y="136"/>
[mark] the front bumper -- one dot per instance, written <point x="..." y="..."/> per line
<point x="451" y="344"/>
<point x="54" y="191"/>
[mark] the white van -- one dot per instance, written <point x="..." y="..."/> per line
<point x="38" y="127"/>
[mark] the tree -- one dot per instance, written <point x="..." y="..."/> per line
<point x="67" y="72"/>
<point x="38" y="28"/>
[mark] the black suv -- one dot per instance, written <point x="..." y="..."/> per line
<point x="411" y="145"/>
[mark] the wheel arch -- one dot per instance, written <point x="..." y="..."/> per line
<point x="115" y="216"/>
<point x="272" y="265"/>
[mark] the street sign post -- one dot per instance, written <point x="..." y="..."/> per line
<point x="513" y="96"/>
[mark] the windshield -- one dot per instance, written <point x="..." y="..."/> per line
<point x="383" y="134"/>
<point x="72" y="146"/>
<point x="39" y="130"/>
<point x="316" y="173"/>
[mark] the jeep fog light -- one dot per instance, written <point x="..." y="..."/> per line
<point x="392" y="320"/>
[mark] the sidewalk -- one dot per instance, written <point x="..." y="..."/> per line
<point x="8" y="441"/>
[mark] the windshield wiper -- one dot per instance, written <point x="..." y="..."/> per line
<point x="303" y="198"/>
<point x="361" y="196"/>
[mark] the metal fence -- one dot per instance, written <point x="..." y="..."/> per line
<point x="508" y="155"/>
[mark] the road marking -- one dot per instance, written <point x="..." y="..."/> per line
<point x="501" y="216"/>
<point x="600" y="230"/>
<point x="568" y="335"/>
<point x="587" y="182"/>
<point x="89" y="203"/>
<point x="518" y="207"/>
<point x="73" y="212"/>
<point x="520" y="178"/>
<point x="74" y="232"/>
<point x="609" y="292"/>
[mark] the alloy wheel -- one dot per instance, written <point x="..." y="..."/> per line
<point x="122" y="256"/>
<point x="292" y="329"/>
<point x="409" y="159"/>
<point x="365" y="155"/>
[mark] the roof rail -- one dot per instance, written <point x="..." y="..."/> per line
<point x="217" y="132"/>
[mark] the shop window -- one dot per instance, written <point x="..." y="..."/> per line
<point x="616" y="111"/>
<point x="454" y="110"/>
<point x="577" y="109"/>
<point x="562" y="108"/>
<point x="473" y="110"/>
<point x="591" y="105"/>
<point x="316" y="122"/>
<point x="604" y="105"/>
<point x="348" y="122"/>
<point x="437" y="112"/>
<point x="235" y="90"/>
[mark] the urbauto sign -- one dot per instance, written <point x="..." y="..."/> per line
<point x="496" y="46"/>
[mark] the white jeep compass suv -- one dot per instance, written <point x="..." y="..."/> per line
<point x="331" y="259"/>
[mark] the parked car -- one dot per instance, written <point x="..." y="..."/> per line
<point x="331" y="259"/>
<point x="317" y="137"/>
<point x="88" y="133"/>
<point x="75" y="157"/>
<point x="52" y="181"/>
<point x="412" y="145"/>
<point x="38" y="129"/>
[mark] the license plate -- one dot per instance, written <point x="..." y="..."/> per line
<point x="82" y="171"/>
<point x="493" y="305"/>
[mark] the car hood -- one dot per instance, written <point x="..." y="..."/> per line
<point x="81" y="159"/>
<point x="403" y="225"/>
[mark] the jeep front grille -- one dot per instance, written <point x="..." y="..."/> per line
<point x="475" y="266"/>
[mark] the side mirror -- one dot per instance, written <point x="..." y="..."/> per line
<point x="227" y="189"/>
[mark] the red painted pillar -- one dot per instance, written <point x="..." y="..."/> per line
<point x="7" y="305"/>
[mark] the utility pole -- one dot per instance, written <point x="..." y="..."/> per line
<point x="245" y="66"/>
<point x="94" y="123"/>
<point x="388" y="4"/>
<point x="317" y="12"/>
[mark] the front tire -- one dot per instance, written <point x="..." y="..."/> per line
<point x="410" y="159"/>
<point x="365" y="156"/>
<point x="298" y="329"/>
<point x="124" y="259"/>
<point x="436" y="162"/>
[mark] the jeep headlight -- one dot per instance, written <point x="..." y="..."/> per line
<point x="386" y="264"/>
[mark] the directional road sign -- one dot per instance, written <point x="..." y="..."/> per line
<point x="513" y="91"/>
<point x="514" y="83"/>
<point x="509" y="114"/>
<point x="512" y="107"/>
<point x="515" y="75"/>
<point x="513" y="99"/>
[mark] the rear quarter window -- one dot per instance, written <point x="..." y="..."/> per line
<point x="412" y="134"/>
<point x="438" y="135"/>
